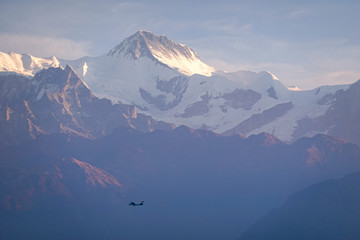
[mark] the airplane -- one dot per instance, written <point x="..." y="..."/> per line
<point x="136" y="204"/>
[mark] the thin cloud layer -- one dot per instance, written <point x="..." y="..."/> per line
<point x="40" y="46"/>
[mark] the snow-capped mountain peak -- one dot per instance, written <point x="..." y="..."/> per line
<point x="169" y="82"/>
<point x="25" y="64"/>
<point x="161" y="49"/>
<point x="133" y="47"/>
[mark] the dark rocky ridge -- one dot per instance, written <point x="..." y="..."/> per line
<point x="241" y="98"/>
<point x="57" y="101"/>
<point x="31" y="185"/>
<point x="175" y="86"/>
<point x="197" y="108"/>
<point x="260" y="119"/>
<point x="340" y="120"/>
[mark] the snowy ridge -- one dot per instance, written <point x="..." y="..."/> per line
<point x="119" y="79"/>
<point x="138" y="72"/>
<point x="170" y="53"/>
<point x="169" y="82"/>
<point x="25" y="64"/>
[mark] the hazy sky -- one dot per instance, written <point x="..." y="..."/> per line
<point x="304" y="43"/>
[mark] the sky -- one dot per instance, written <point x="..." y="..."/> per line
<point x="303" y="43"/>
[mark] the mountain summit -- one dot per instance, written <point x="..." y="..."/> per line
<point x="168" y="81"/>
<point x="163" y="50"/>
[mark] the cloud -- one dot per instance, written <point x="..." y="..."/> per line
<point x="42" y="46"/>
<point x="342" y="75"/>
<point x="297" y="13"/>
<point x="123" y="6"/>
<point x="334" y="77"/>
<point x="224" y="26"/>
<point x="306" y="64"/>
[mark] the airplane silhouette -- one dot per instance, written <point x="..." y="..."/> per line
<point x="136" y="204"/>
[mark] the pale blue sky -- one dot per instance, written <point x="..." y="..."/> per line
<point x="304" y="43"/>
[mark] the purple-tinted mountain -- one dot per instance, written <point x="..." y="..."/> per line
<point x="57" y="101"/>
<point x="194" y="183"/>
<point x="37" y="182"/>
<point x="169" y="82"/>
<point x="341" y="119"/>
<point x="71" y="161"/>
<point x="328" y="210"/>
<point x="45" y="197"/>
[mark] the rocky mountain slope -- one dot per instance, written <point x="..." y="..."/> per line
<point x="56" y="100"/>
<point x="340" y="119"/>
<point x="37" y="183"/>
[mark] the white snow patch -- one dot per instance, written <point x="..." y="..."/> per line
<point x="85" y="68"/>
<point x="294" y="88"/>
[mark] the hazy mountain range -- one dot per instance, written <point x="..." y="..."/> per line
<point x="327" y="210"/>
<point x="210" y="152"/>
<point x="196" y="183"/>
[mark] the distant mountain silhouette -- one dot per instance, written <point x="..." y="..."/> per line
<point x="328" y="210"/>
<point x="193" y="180"/>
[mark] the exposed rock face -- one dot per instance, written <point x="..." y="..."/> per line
<point x="57" y="101"/>
<point x="260" y="119"/>
<point x="272" y="93"/>
<point x="12" y="87"/>
<point x="327" y="99"/>
<point x="175" y="86"/>
<point x="198" y="108"/>
<point x="241" y="98"/>
<point x="68" y="179"/>
<point x="340" y="118"/>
